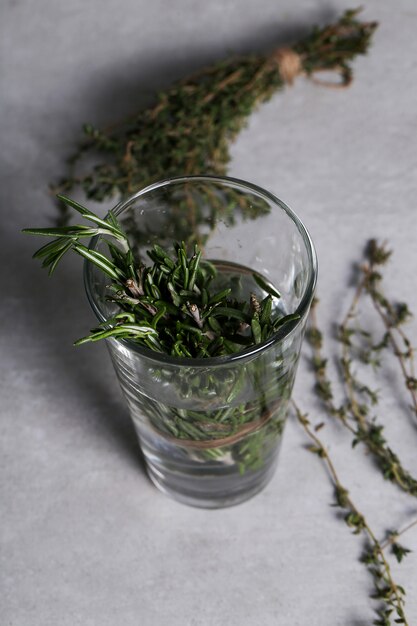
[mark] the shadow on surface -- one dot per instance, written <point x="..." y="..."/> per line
<point x="124" y="89"/>
<point x="49" y="314"/>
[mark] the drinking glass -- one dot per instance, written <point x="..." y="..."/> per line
<point x="210" y="429"/>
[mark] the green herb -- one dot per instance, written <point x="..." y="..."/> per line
<point x="358" y="350"/>
<point x="362" y="355"/>
<point x="190" y="127"/>
<point x="171" y="306"/>
<point x="176" y="306"/>
<point x="393" y="316"/>
<point x="388" y="593"/>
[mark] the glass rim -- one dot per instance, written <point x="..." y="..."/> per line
<point x="286" y="331"/>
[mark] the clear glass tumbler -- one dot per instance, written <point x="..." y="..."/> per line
<point x="210" y="428"/>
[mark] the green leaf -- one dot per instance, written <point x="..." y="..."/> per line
<point x="221" y="295"/>
<point x="266" y="286"/>
<point x="158" y="316"/>
<point x="75" y="205"/>
<point x="195" y="261"/>
<point x="399" y="551"/>
<point x="51" y="247"/>
<point x="176" y="299"/>
<point x="99" y="260"/>
<point x="58" y="256"/>
<point x="222" y="311"/>
<point x="110" y="225"/>
<point x="256" y="330"/>
<point x="112" y="219"/>
<point x="78" y="230"/>
<point x="266" y="310"/>
<point x="214" y="325"/>
<point x="122" y="331"/>
<point x="285" y="320"/>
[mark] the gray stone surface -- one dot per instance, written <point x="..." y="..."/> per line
<point x="85" y="538"/>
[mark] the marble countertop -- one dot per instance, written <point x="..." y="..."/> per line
<point x="85" y="537"/>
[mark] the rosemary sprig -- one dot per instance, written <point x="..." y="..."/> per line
<point x="387" y="592"/>
<point x="184" y="306"/>
<point x="190" y="127"/>
<point x="172" y="306"/>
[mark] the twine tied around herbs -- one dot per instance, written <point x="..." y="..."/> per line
<point x="290" y="65"/>
<point x="206" y="444"/>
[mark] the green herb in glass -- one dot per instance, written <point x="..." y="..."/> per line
<point x="178" y="306"/>
<point x="169" y="306"/>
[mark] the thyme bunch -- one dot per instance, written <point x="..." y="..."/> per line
<point x="388" y="593"/>
<point x="191" y="125"/>
<point x="359" y="348"/>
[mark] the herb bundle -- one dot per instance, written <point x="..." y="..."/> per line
<point x="190" y="127"/>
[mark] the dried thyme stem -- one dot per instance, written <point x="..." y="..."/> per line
<point x="394" y="535"/>
<point x="353" y="412"/>
<point x="379" y="300"/>
<point x="386" y="590"/>
<point x="378" y="255"/>
<point x="368" y="430"/>
<point x="323" y="386"/>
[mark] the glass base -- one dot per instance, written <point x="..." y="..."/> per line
<point x="209" y="487"/>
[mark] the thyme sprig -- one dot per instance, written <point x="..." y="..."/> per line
<point x="359" y="347"/>
<point x="393" y="316"/>
<point x="392" y="541"/>
<point x="388" y="593"/>
<point x="191" y="125"/>
<point x="171" y="306"/>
